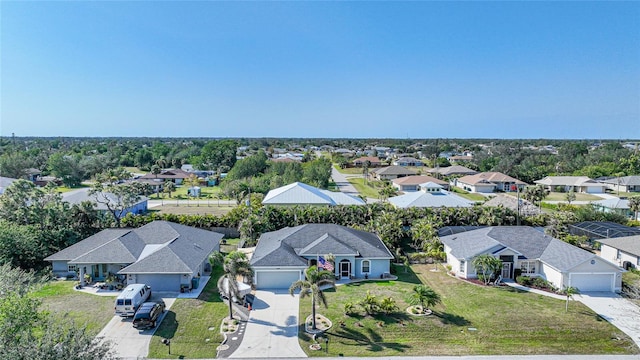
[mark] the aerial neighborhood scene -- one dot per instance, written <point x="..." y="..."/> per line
<point x="200" y="180"/>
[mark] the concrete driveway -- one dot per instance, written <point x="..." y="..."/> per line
<point x="272" y="329"/>
<point x="128" y="342"/>
<point x="617" y="310"/>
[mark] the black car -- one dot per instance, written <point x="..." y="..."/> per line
<point x="148" y="314"/>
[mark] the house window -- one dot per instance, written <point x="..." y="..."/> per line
<point x="617" y="254"/>
<point x="73" y="268"/>
<point x="366" y="266"/>
<point x="528" y="267"/>
<point x="463" y="265"/>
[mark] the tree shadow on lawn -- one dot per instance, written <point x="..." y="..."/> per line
<point x="168" y="327"/>
<point x="409" y="276"/>
<point x="448" y="318"/>
<point x="369" y="338"/>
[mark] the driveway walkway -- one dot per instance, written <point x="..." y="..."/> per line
<point x="617" y="310"/>
<point x="272" y="329"/>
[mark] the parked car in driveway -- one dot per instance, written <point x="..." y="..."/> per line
<point x="147" y="315"/>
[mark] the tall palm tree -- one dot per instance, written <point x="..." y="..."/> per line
<point x="315" y="278"/>
<point x="425" y="296"/>
<point x="235" y="264"/>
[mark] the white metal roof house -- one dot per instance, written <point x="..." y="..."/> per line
<point x="576" y="183"/>
<point x="281" y="257"/>
<point x="624" y="251"/>
<point x="535" y="254"/>
<point x="302" y="194"/>
<point x="430" y="195"/>
<point x="614" y="205"/>
<point x="413" y="182"/>
<point x="82" y="195"/>
<point x="161" y="254"/>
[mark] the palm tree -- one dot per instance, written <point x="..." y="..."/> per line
<point x="487" y="265"/>
<point x="569" y="292"/>
<point x="634" y="205"/>
<point x="169" y="187"/>
<point x="425" y="296"/>
<point x="235" y="264"/>
<point x="315" y="278"/>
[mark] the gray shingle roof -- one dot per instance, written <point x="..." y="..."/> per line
<point x="629" y="244"/>
<point x="394" y="170"/>
<point x="529" y="242"/>
<point x="157" y="247"/>
<point x="285" y="247"/>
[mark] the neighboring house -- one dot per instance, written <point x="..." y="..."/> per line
<point x="596" y="230"/>
<point x="373" y="161"/>
<point x="157" y="185"/>
<point x="82" y="195"/>
<point x="161" y="254"/>
<point x="452" y="170"/>
<point x="33" y="174"/>
<point x="429" y="195"/>
<point x="5" y="182"/>
<point x="624" y="184"/>
<point x="175" y="175"/>
<point x="526" y="208"/>
<point x="392" y="172"/>
<point x="407" y="161"/>
<point x="624" y="251"/>
<point x="302" y="194"/>
<point x="581" y="184"/>
<point x="614" y="205"/>
<point x="282" y="256"/>
<point x="459" y="158"/>
<point x="412" y="183"/>
<point x="488" y="182"/>
<point x="534" y="254"/>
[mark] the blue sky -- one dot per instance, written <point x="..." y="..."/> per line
<point x="321" y="69"/>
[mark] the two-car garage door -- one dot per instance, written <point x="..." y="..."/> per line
<point x="593" y="282"/>
<point x="272" y="279"/>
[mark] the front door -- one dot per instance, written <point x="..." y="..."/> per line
<point x="506" y="270"/>
<point x="345" y="269"/>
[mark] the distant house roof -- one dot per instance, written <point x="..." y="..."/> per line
<point x="157" y="247"/>
<point x="489" y="177"/>
<point x="371" y="159"/>
<point x="429" y="199"/>
<point x="527" y="241"/>
<point x="629" y="244"/>
<point x="303" y="194"/>
<point x="394" y="170"/>
<point x="625" y="180"/>
<point x="407" y="159"/>
<point x="288" y="246"/>
<point x="168" y="174"/>
<point x="526" y="208"/>
<point x="568" y="181"/>
<point x="453" y="170"/>
<point x="417" y="180"/>
<point x="82" y="195"/>
<point x="613" y="203"/>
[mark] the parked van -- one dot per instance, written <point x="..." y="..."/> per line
<point x="131" y="298"/>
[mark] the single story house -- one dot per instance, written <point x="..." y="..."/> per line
<point x="302" y="194"/>
<point x="412" y="183"/>
<point x="161" y="254"/>
<point x="526" y="208"/>
<point x="624" y="251"/>
<point x="459" y="158"/>
<point x="581" y="184"/>
<point x="534" y="254"/>
<point x="430" y="195"/>
<point x="488" y="182"/>
<point x="392" y="172"/>
<point x="81" y="195"/>
<point x="614" y="205"/>
<point x="175" y="175"/>
<point x="624" y="184"/>
<point x="281" y="257"/>
<point x="452" y="170"/>
<point x="407" y="161"/>
<point x="374" y="161"/>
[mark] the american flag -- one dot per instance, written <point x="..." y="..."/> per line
<point x="324" y="264"/>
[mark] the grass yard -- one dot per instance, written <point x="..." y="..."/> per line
<point x="59" y="298"/>
<point x="350" y="171"/>
<point x="365" y="189"/>
<point x="467" y="195"/>
<point x="192" y="209"/>
<point x="505" y="322"/>
<point x="558" y="196"/>
<point x="187" y="325"/>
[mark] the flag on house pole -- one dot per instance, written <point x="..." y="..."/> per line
<point x="324" y="264"/>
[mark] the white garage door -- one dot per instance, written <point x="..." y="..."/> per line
<point x="160" y="282"/>
<point x="276" y="279"/>
<point x="592" y="282"/>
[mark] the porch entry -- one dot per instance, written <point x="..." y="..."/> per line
<point x="345" y="269"/>
<point x="507" y="266"/>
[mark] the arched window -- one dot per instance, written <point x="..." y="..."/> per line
<point x="366" y="266"/>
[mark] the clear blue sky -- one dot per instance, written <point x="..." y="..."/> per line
<point x="321" y="69"/>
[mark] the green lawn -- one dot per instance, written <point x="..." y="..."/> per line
<point x="59" y="298"/>
<point x="187" y="325"/>
<point x="505" y="322"/>
<point x="365" y="189"/>
<point x="350" y="171"/>
<point x="64" y="189"/>
<point x="558" y="196"/>
<point x="467" y="195"/>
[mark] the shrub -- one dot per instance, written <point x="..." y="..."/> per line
<point x="524" y="280"/>
<point x="349" y="309"/>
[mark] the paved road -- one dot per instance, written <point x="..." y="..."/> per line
<point x="128" y="342"/>
<point x="343" y="184"/>
<point x="272" y="329"/>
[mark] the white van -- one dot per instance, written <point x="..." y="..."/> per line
<point x="131" y="298"/>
